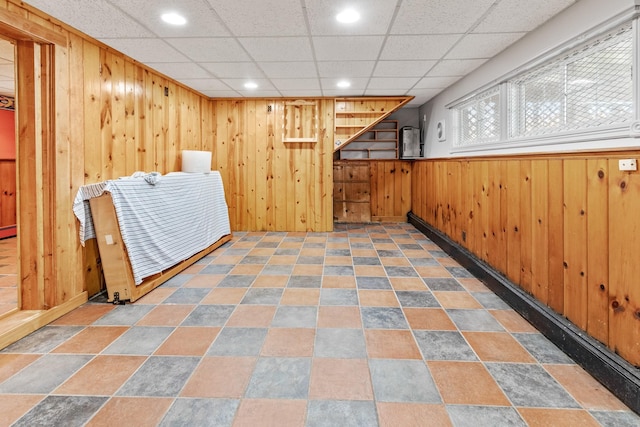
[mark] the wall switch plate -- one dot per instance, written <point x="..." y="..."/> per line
<point x="628" y="164"/>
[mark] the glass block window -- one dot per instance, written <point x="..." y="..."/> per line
<point x="587" y="88"/>
<point x="478" y="119"/>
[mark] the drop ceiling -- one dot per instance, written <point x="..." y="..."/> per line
<point x="292" y="48"/>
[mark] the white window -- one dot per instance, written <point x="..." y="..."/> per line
<point x="590" y="88"/>
<point x="478" y="119"/>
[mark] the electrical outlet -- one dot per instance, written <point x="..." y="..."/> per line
<point x="628" y="164"/>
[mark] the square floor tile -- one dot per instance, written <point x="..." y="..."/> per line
<point x="269" y="296"/>
<point x="383" y="318"/>
<point x="103" y="375"/>
<point x="474" y="320"/>
<point x="338" y="297"/>
<point x="238" y="342"/>
<point x="224" y="296"/>
<point x="294" y="296"/>
<point x="43" y="340"/>
<point x="428" y="318"/>
<point x="289" y="342"/>
<point x="237" y="281"/>
<point x="391" y="344"/>
<point x="394" y="414"/>
<point x="188" y="341"/>
<point x="443" y="345"/>
<point x="340" y="379"/>
<point x="252" y="316"/>
<point x="495" y="416"/>
<point x="466" y="383"/>
<point x="338" y="282"/>
<point x="220" y="377"/>
<point x="200" y="412"/>
<point x="454" y="299"/>
<point x="209" y="315"/>
<point x="497" y="347"/>
<point x="339" y="317"/>
<point x="91" y="340"/>
<point x="160" y="376"/>
<point x="143" y="340"/>
<point x="402" y="381"/>
<point x="338" y="270"/>
<point x="443" y="284"/>
<point x="295" y="317"/>
<point x="271" y="412"/>
<point x="377" y="298"/>
<point x="417" y="299"/>
<point x="537" y="417"/>
<point x="124" y="315"/>
<point x="530" y="385"/>
<point x="408" y="284"/>
<point x="304" y="282"/>
<point x="542" y="349"/>
<point x="166" y="315"/>
<point x="62" y="410"/>
<point x="343" y="413"/>
<point x="280" y="378"/>
<point x="340" y="343"/>
<point x="45" y="374"/>
<point x="373" y="283"/>
<point x="14" y="406"/>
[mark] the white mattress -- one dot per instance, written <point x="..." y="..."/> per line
<point x="165" y="223"/>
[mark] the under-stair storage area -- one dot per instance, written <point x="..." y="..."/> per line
<point x="379" y="142"/>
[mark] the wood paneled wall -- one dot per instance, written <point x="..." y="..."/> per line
<point x="566" y="229"/>
<point x="271" y="184"/>
<point x="390" y="190"/>
<point x="91" y="114"/>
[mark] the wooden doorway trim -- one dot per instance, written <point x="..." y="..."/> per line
<point x="35" y="160"/>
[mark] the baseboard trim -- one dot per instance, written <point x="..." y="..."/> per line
<point x="612" y="371"/>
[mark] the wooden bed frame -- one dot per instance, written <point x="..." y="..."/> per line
<point x="115" y="261"/>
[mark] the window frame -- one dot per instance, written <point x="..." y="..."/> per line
<point x="625" y="129"/>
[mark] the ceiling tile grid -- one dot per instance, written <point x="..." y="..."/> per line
<point x="295" y="48"/>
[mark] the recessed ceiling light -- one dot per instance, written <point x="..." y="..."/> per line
<point x="251" y="85"/>
<point x="348" y="16"/>
<point x="173" y="18"/>
<point x="343" y="84"/>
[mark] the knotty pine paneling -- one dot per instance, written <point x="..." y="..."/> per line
<point x="390" y="182"/>
<point x="565" y="229"/>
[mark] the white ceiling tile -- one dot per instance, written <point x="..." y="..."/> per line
<point x="238" y="84"/>
<point x="343" y="92"/>
<point x="211" y="49"/>
<point x="436" y="82"/>
<point x="341" y="69"/>
<point x="262" y="18"/>
<point x="205" y="84"/>
<point x="278" y="48"/>
<point x="402" y="68"/>
<point x="301" y="93"/>
<point x="384" y="92"/>
<point x="180" y="70"/>
<point x="375" y="17"/>
<point x="284" y="70"/>
<point x="455" y="67"/>
<point x="233" y="69"/>
<point x="351" y="48"/>
<point x="98" y="18"/>
<point x="418" y="47"/>
<point x="438" y="16"/>
<point x="201" y="20"/>
<point x="147" y="50"/>
<point x="332" y="84"/>
<point x="395" y="83"/>
<point x="482" y="45"/>
<point x="518" y="15"/>
<point x="423" y="95"/>
<point x="296" y="84"/>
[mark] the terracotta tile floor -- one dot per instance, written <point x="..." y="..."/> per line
<point x="366" y="326"/>
<point x="8" y="275"/>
